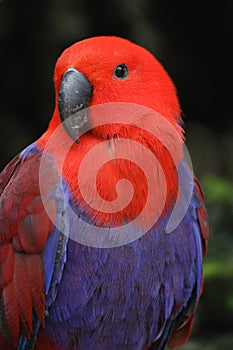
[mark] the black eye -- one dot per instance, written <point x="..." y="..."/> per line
<point x="121" y="71"/>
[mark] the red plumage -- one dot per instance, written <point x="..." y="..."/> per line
<point x="25" y="228"/>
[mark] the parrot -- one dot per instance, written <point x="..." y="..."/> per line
<point x="82" y="264"/>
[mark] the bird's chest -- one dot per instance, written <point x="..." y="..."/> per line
<point x="99" y="281"/>
<point x="115" y="295"/>
<point x="114" y="181"/>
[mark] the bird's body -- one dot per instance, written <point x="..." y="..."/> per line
<point x="61" y="294"/>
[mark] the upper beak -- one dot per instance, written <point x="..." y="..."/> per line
<point x="74" y="97"/>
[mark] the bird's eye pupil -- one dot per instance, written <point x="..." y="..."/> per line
<point x="121" y="71"/>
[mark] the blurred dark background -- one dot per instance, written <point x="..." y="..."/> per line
<point x="194" y="41"/>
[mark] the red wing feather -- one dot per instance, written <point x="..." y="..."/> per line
<point x="24" y="230"/>
<point x="202" y="216"/>
<point x="182" y="334"/>
<point x="9" y="314"/>
<point x="23" y="294"/>
<point x="6" y="264"/>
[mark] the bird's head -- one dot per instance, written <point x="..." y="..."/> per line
<point x="111" y="72"/>
<point x="109" y="69"/>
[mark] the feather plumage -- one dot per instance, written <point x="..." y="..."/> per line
<point x="58" y="294"/>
